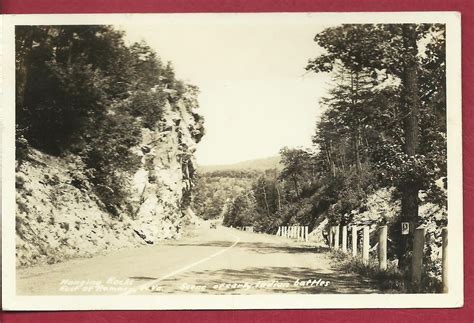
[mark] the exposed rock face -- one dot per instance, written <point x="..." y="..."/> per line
<point x="162" y="187"/>
<point x="56" y="219"/>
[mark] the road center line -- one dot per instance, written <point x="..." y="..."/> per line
<point x="145" y="286"/>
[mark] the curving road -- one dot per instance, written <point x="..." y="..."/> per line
<point x="211" y="261"/>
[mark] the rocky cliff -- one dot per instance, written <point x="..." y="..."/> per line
<point x="57" y="219"/>
<point x="162" y="186"/>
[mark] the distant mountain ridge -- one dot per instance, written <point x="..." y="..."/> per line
<point x="254" y="164"/>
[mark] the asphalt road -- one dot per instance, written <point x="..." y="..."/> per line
<point x="210" y="261"/>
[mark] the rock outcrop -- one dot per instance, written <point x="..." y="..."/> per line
<point x="57" y="219"/>
<point x="162" y="186"/>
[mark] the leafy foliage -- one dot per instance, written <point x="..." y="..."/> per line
<point x="81" y="90"/>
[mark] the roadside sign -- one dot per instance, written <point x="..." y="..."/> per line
<point x="405" y="228"/>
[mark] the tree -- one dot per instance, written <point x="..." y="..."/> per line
<point x="381" y="52"/>
<point x="242" y="210"/>
<point x="410" y="107"/>
<point x="296" y="165"/>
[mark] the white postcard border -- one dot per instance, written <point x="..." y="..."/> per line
<point x="455" y="193"/>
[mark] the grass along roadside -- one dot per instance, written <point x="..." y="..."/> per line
<point x="392" y="280"/>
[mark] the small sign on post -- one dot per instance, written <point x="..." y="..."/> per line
<point x="405" y="228"/>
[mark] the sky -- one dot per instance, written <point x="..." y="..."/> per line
<point x="256" y="96"/>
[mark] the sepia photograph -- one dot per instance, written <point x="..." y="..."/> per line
<point x="202" y="161"/>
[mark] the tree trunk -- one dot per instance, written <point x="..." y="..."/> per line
<point x="410" y="110"/>
<point x="357" y="151"/>
<point x="279" y="196"/>
<point x="266" y="202"/>
<point x="295" y="182"/>
<point x="22" y="71"/>
<point x="332" y="164"/>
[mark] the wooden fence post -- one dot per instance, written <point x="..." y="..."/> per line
<point x="382" y="247"/>
<point x="344" y="238"/>
<point x="417" y="258"/>
<point x="301" y="233"/>
<point x="331" y="234"/>
<point x="354" y="241"/>
<point x="365" y="244"/>
<point x="306" y="233"/>
<point x="444" y="234"/>
<point x="336" y="238"/>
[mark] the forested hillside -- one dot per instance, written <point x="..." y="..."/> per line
<point x="105" y="137"/>
<point x="260" y="164"/>
<point x="379" y="153"/>
<point x="216" y="189"/>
